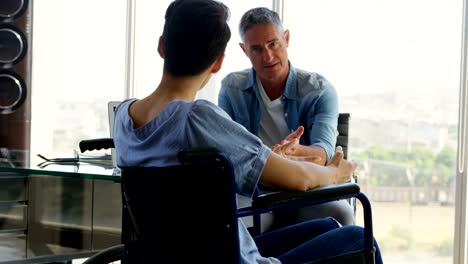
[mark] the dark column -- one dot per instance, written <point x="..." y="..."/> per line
<point x="15" y="81"/>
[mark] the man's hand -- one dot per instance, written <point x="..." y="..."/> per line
<point x="290" y="143"/>
<point x="286" y="146"/>
<point x="291" y="148"/>
<point x="344" y="168"/>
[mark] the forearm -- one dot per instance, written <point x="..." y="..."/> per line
<point x="316" y="151"/>
<point x="285" y="174"/>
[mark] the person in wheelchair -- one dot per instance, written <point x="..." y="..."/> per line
<point x="151" y="131"/>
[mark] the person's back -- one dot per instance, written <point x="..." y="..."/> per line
<point x="179" y="126"/>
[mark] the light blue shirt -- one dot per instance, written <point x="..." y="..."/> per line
<point x="183" y="125"/>
<point x="308" y="98"/>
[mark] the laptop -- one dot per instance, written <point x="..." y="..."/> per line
<point x="111" y="106"/>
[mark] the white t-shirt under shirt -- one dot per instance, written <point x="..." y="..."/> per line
<point x="273" y="127"/>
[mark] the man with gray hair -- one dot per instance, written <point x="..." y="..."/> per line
<point x="280" y="104"/>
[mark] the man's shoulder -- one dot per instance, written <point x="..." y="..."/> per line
<point x="205" y="107"/>
<point x="307" y="75"/>
<point x="236" y="79"/>
<point x="189" y="108"/>
<point x="312" y="80"/>
<point x="206" y="112"/>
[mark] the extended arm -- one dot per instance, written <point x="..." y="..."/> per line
<point x="287" y="174"/>
<point x="322" y="124"/>
<point x="319" y="120"/>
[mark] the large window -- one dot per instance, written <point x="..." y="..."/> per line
<point x="396" y="67"/>
<point x="394" y="63"/>
<point x="78" y="66"/>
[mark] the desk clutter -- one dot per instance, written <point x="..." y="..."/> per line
<point x="102" y="159"/>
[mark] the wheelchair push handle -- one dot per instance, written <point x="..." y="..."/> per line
<point x="96" y="144"/>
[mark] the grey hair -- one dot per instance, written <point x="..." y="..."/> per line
<point x="259" y="15"/>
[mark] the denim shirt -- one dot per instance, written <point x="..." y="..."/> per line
<point x="308" y="98"/>
<point x="183" y="125"/>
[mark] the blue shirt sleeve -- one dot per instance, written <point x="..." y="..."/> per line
<point x="208" y="125"/>
<point x="224" y="101"/>
<point x="324" y="118"/>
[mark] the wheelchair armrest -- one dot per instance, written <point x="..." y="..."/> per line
<point x="96" y="144"/>
<point x="314" y="196"/>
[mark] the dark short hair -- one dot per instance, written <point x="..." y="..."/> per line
<point x="259" y="15"/>
<point x="195" y="35"/>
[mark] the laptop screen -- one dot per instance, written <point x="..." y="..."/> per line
<point x="111" y="106"/>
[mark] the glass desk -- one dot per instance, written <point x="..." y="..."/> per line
<point x="57" y="212"/>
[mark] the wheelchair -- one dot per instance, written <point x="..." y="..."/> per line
<point x="195" y="204"/>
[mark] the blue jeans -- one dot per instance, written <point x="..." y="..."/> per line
<point x="312" y="240"/>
